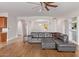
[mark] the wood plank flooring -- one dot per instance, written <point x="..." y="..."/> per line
<point x="20" y="49"/>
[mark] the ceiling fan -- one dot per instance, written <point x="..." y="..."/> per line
<point x="46" y="5"/>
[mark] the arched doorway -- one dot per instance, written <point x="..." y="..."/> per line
<point x="19" y="31"/>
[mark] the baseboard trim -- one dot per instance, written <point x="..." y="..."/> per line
<point x="11" y="40"/>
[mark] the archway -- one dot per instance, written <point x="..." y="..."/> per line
<point x="19" y="29"/>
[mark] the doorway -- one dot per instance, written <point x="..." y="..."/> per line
<point x="19" y="31"/>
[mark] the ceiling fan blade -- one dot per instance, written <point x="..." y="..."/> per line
<point x="52" y="5"/>
<point x="46" y="8"/>
<point x="49" y="4"/>
<point x="41" y="3"/>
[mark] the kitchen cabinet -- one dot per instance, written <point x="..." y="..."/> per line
<point x="3" y="36"/>
<point x="3" y="22"/>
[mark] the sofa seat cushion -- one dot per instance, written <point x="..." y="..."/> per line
<point x="66" y="47"/>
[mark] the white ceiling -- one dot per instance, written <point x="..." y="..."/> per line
<point x="27" y="9"/>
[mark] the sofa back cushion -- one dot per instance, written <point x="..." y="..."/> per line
<point x="56" y="35"/>
<point x="48" y="34"/>
<point x="35" y="34"/>
<point x="41" y="34"/>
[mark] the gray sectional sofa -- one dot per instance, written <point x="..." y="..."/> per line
<point x="51" y="40"/>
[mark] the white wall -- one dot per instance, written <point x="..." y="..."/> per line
<point x="60" y="25"/>
<point x="4" y="14"/>
<point x="12" y="27"/>
<point x="78" y="30"/>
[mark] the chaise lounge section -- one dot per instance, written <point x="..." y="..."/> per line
<point x="62" y="43"/>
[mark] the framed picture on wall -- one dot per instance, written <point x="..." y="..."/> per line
<point x="45" y="26"/>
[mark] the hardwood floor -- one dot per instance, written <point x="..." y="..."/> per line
<point x="20" y="49"/>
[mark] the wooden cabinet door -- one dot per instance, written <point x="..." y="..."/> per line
<point x="3" y="22"/>
<point x="0" y="29"/>
<point x="3" y="37"/>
